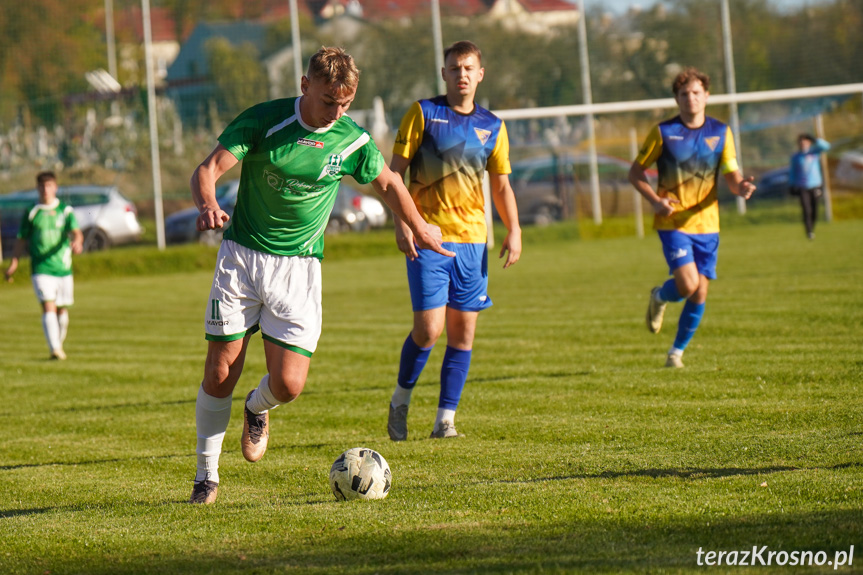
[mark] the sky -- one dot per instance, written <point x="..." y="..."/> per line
<point x="619" y="6"/>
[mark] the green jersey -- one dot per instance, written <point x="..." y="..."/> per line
<point x="46" y="227"/>
<point x="290" y="176"/>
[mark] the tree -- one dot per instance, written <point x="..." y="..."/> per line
<point x="239" y="77"/>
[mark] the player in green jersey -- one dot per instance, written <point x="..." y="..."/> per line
<point x="294" y="153"/>
<point x="50" y="232"/>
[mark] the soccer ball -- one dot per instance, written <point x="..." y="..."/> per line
<point x="360" y="473"/>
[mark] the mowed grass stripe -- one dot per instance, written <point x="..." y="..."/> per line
<point x="582" y="453"/>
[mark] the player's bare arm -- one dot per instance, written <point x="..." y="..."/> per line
<point x="739" y="185"/>
<point x="638" y="178"/>
<point x="504" y="200"/>
<point x="19" y="249"/>
<point x="404" y="235"/>
<point x="77" y="241"/>
<point x="391" y="188"/>
<point x="203" y="186"/>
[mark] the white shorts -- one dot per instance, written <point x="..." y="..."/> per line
<point x="59" y="290"/>
<point x="281" y="295"/>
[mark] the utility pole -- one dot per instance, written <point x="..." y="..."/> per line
<point x="732" y="89"/>
<point x="154" y="129"/>
<point x="438" y="45"/>
<point x="588" y="101"/>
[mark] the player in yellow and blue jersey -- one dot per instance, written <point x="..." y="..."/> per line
<point x="691" y="150"/>
<point x="449" y="143"/>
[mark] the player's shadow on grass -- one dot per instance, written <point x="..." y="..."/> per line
<point x="694" y="473"/>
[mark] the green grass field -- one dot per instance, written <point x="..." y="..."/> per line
<point x="583" y="454"/>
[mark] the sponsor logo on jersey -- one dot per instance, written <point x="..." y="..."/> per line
<point x="311" y="143"/>
<point x="712" y="142"/>
<point x="680" y="253"/>
<point x="483" y="135"/>
<point x="438" y="120"/>
<point x="292" y="186"/>
<point x="401" y="139"/>
<point x="335" y="165"/>
<point x="675" y="137"/>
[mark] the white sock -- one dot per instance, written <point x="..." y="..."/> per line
<point x="51" y="327"/>
<point x="262" y="399"/>
<point x="401" y="396"/>
<point x="212" y="415"/>
<point x="675" y="351"/>
<point x="444" y="415"/>
<point x="63" y="322"/>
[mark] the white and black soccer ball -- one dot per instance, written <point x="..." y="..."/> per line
<point x="360" y="473"/>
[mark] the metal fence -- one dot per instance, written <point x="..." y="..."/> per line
<point x="211" y="63"/>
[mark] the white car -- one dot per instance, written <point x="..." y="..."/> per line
<point x="849" y="170"/>
<point x="105" y="216"/>
<point x="372" y="208"/>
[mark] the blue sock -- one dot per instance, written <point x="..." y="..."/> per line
<point x="453" y="375"/>
<point x="690" y="317"/>
<point x="669" y="292"/>
<point x="412" y="362"/>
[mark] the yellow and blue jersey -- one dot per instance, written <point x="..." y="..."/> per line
<point x="449" y="153"/>
<point x="689" y="162"/>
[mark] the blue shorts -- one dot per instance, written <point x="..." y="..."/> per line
<point x="460" y="282"/>
<point x="680" y="249"/>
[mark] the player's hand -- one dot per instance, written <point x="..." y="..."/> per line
<point x="430" y="238"/>
<point x="78" y="246"/>
<point x="211" y="219"/>
<point x="746" y="188"/>
<point x="511" y="247"/>
<point x="665" y="206"/>
<point x="405" y="240"/>
<point x="10" y="271"/>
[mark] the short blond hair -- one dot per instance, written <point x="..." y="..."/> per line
<point x="334" y="66"/>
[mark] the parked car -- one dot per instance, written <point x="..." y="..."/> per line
<point x="105" y="216"/>
<point x="180" y="227"/>
<point x="849" y="170"/>
<point x="545" y="186"/>
<point x="774" y="184"/>
<point x="373" y="208"/>
<point x="348" y="215"/>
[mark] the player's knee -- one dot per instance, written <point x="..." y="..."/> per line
<point x="426" y="336"/>
<point x="687" y="286"/>
<point x="286" y="388"/>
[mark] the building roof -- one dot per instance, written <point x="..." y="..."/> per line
<point x="192" y="61"/>
<point x="130" y="23"/>
<point x="377" y="10"/>
<point x="547" y="5"/>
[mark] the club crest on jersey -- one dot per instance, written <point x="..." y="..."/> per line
<point x="311" y="143"/>
<point x="334" y="167"/>
<point x="483" y="135"/>
<point x="712" y="142"/>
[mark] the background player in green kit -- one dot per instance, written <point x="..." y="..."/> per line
<point x="294" y="152"/>
<point x="50" y="231"/>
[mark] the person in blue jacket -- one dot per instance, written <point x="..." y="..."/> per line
<point x="805" y="177"/>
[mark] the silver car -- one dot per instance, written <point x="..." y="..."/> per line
<point x="105" y="216"/>
<point x="352" y="211"/>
